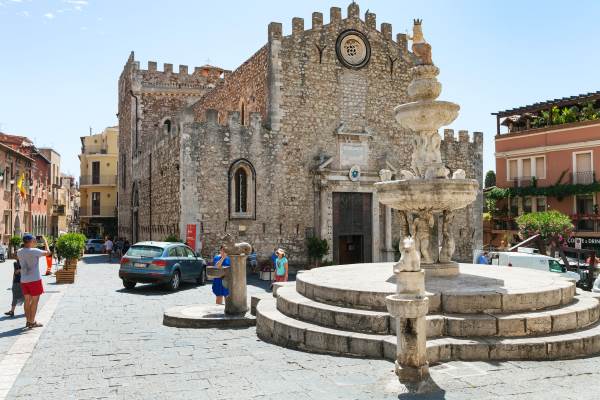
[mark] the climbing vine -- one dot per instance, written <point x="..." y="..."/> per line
<point x="559" y="191"/>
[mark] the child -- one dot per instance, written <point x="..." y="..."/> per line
<point x="220" y="261"/>
<point x="17" y="294"/>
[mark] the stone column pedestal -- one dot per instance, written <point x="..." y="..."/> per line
<point x="237" y="301"/>
<point x="409" y="307"/>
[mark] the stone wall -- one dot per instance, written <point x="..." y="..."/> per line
<point x="246" y="86"/>
<point x="149" y="100"/>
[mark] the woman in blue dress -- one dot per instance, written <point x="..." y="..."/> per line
<point x="220" y="261"/>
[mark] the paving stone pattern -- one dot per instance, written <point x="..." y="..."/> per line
<point x="108" y="343"/>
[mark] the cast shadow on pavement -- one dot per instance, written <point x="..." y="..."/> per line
<point x="152" y="289"/>
<point x="12" y="332"/>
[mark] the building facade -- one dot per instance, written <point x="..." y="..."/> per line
<point x="286" y="147"/>
<point x="98" y="183"/>
<point x="25" y="183"/>
<point x="549" y="154"/>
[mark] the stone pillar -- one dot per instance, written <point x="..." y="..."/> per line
<point x="237" y="301"/>
<point x="324" y="208"/>
<point x="409" y="307"/>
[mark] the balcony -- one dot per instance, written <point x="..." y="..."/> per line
<point x="98" y="180"/>
<point x="522" y="181"/>
<point x="583" y="178"/>
<point x="102" y="212"/>
<point x="58" y="209"/>
<point x="94" y="149"/>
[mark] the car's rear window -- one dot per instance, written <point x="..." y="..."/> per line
<point x="98" y="241"/>
<point x="145" y="251"/>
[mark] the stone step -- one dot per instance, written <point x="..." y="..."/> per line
<point x="275" y="327"/>
<point x="475" y="290"/>
<point x="583" y="311"/>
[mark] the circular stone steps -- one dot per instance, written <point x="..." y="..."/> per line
<point x="275" y="327"/>
<point x="478" y="289"/>
<point x="583" y="311"/>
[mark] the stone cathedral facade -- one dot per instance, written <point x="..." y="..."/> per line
<point x="286" y="147"/>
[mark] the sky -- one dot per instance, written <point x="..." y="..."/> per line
<point x="60" y="59"/>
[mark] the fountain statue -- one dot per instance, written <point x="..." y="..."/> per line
<point x="421" y="195"/>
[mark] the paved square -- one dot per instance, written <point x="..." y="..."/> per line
<point x="104" y="342"/>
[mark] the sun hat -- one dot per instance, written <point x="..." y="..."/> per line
<point x="280" y="250"/>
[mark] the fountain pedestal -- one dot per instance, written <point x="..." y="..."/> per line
<point x="421" y="195"/>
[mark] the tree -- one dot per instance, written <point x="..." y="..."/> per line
<point x="552" y="226"/>
<point x="490" y="179"/>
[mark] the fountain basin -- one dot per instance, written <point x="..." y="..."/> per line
<point x="426" y="115"/>
<point x="406" y="307"/>
<point x="436" y="195"/>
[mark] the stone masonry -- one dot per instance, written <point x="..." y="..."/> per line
<point x="297" y="120"/>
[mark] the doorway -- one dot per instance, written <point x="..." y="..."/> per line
<point x="352" y="228"/>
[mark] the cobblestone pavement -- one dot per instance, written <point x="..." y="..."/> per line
<point x="108" y="343"/>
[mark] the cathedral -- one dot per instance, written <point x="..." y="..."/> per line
<point x="286" y="147"/>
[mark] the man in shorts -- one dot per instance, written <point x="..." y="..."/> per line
<point x="31" y="279"/>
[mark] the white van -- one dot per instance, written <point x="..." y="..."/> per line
<point x="533" y="261"/>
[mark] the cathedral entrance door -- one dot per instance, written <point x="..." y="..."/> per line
<point x="352" y="227"/>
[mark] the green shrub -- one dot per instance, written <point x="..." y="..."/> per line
<point x="70" y="245"/>
<point x="317" y="248"/>
<point x="172" y="239"/>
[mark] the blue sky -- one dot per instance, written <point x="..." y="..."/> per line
<point x="60" y="59"/>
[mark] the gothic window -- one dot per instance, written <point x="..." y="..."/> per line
<point x="167" y="126"/>
<point x="242" y="190"/>
<point x="243" y="114"/>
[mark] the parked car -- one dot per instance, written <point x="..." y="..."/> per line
<point x="532" y="261"/>
<point x="161" y="262"/>
<point x="94" y="246"/>
<point x="3" y="253"/>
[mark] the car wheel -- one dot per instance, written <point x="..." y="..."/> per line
<point x="201" y="280"/>
<point x="129" y="284"/>
<point x="175" y="281"/>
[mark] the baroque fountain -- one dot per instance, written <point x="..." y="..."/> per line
<point x="426" y="308"/>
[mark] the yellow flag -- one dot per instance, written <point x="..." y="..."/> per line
<point x="20" y="185"/>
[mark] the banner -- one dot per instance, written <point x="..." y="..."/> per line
<point x="190" y="236"/>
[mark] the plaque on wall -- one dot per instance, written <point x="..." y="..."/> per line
<point x="354" y="154"/>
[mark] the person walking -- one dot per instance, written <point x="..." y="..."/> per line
<point x="108" y="247"/>
<point x="17" y="293"/>
<point x="281" y="266"/>
<point x="31" y="279"/>
<point x="221" y="260"/>
<point x="126" y="246"/>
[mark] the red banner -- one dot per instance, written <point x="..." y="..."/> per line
<point x="190" y="236"/>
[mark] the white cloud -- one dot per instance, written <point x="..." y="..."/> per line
<point x="49" y="15"/>
<point x="16" y="1"/>
<point x="76" y="2"/>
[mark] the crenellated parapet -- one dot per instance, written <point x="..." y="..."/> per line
<point x="275" y="30"/>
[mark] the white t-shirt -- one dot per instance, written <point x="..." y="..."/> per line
<point x="108" y="245"/>
<point x="29" y="258"/>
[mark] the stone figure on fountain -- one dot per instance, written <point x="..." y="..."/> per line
<point x="421" y="232"/>
<point x="448" y="244"/>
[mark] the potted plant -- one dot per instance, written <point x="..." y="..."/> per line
<point x="317" y="249"/>
<point x="69" y="246"/>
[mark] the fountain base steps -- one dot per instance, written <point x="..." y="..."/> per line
<point x="275" y="327"/>
<point x="484" y="313"/>
<point x="584" y="310"/>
